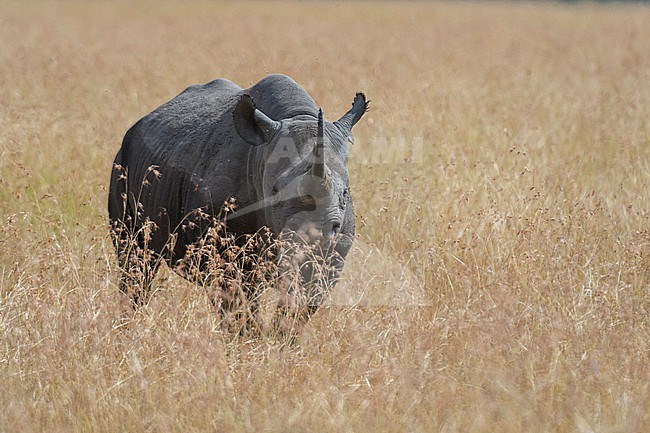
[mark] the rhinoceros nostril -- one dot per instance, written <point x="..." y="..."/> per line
<point x="336" y="228"/>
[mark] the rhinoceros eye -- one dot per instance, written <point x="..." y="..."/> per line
<point x="344" y="198"/>
<point x="274" y="191"/>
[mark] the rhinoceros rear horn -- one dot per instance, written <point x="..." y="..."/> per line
<point x="255" y="127"/>
<point x="349" y="119"/>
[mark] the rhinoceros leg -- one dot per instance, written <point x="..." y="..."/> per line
<point x="137" y="273"/>
<point x="138" y="259"/>
<point x="137" y="262"/>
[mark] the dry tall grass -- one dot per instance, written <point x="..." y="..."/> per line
<point x="501" y="275"/>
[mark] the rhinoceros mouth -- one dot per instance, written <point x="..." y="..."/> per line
<point x="309" y="265"/>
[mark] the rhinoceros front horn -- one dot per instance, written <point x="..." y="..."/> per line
<point x="314" y="183"/>
<point x="318" y="167"/>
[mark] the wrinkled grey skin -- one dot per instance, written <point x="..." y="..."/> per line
<point x="215" y="142"/>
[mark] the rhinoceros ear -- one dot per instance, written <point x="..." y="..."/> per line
<point x="349" y="119"/>
<point x="255" y="127"/>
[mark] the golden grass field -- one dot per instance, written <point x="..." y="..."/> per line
<point x="500" y="280"/>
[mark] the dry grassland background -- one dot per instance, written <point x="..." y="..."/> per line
<point x="501" y="275"/>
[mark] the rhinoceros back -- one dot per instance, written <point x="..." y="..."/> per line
<point x="280" y="97"/>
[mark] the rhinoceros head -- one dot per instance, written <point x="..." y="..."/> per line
<point x="300" y="177"/>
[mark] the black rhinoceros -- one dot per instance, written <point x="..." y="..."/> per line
<point x="265" y="152"/>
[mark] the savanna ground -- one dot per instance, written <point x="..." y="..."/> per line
<point x="501" y="275"/>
